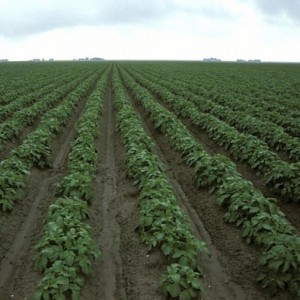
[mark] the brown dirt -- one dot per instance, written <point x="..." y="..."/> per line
<point x="125" y="270"/>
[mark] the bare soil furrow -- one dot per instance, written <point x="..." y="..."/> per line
<point x="125" y="270"/>
<point x="106" y="278"/>
<point x="110" y="242"/>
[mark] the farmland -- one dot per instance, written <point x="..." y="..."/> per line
<point x="149" y="180"/>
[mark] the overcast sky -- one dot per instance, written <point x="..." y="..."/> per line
<point x="150" y="29"/>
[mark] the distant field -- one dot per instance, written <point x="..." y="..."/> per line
<point x="149" y="180"/>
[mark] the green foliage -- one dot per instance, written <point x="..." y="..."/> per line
<point x="12" y="181"/>
<point x="58" y="281"/>
<point x="67" y="239"/>
<point x="281" y="262"/>
<point x="181" y="282"/>
<point x="284" y="179"/>
<point x="213" y="171"/>
<point x="77" y="184"/>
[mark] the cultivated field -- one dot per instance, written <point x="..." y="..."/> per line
<point x="149" y="180"/>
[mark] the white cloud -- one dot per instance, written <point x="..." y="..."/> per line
<point x="19" y="18"/>
<point x="286" y="9"/>
<point x="170" y="29"/>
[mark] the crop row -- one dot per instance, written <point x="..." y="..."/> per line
<point x="259" y="218"/>
<point x="30" y="98"/>
<point x="66" y="249"/>
<point x="26" y="116"/>
<point x="280" y="176"/>
<point x="17" y="87"/>
<point x="249" y="100"/>
<point x="271" y="133"/>
<point x="36" y="148"/>
<point x="18" y="79"/>
<point x="162" y="223"/>
<point x="257" y="88"/>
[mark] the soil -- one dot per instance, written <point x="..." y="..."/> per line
<point x="126" y="270"/>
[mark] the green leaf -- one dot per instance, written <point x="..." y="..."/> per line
<point x="59" y="297"/>
<point x="173" y="289"/>
<point x="275" y="265"/>
<point x="70" y="260"/>
<point x="286" y="266"/>
<point x="178" y="253"/>
<point x="196" y="284"/>
<point x="46" y="295"/>
<point x="175" y="278"/>
<point x="166" y="249"/>
<point x="75" y="295"/>
<point x="185" y="295"/>
<point x="37" y="295"/>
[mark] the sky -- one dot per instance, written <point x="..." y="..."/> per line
<point x="150" y="29"/>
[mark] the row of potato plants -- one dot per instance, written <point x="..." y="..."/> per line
<point x="27" y="99"/>
<point x="36" y="148"/>
<point x="262" y="107"/>
<point x="67" y="249"/>
<point x="259" y="218"/>
<point x="26" y="116"/>
<point x="258" y="88"/>
<point x="18" y="79"/>
<point x="258" y="105"/>
<point x="271" y="133"/>
<point x="282" y="177"/>
<point x="256" y="93"/>
<point x="288" y="122"/>
<point x="17" y="85"/>
<point x="162" y="223"/>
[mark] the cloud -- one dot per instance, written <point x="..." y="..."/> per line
<point x="217" y="9"/>
<point x="21" y="18"/>
<point x="150" y="29"/>
<point x="286" y="8"/>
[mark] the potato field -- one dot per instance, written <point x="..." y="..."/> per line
<point x="149" y="181"/>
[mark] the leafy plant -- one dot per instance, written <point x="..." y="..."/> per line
<point x="77" y="184"/>
<point x="181" y="282"/>
<point x="281" y="262"/>
<point x="58" y="281"/>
